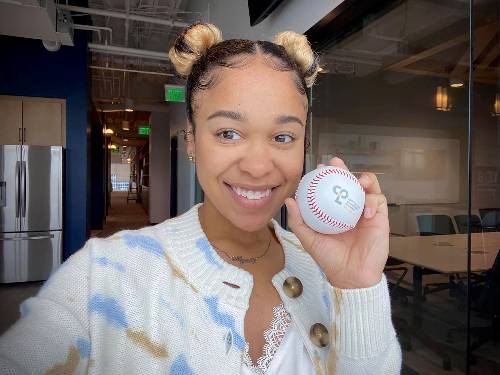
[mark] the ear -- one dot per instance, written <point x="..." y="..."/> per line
<point x="190" y="145"/>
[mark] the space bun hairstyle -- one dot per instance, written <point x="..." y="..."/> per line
<point x="199" y="51"/>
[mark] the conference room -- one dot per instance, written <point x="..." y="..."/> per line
<point x="399" y="100"/>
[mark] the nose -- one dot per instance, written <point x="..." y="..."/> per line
<point x="257" y="160"/>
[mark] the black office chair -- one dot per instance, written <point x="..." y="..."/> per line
<point x="461" y="221"/>
<point x="485" y="300"/>
<point x="490" y="218"/>
<point x="396" y="290"/>
<point x="436" y="225"/>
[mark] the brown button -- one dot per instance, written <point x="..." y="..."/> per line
<point x="292" y="287"/>
<point x="319" y="335"/>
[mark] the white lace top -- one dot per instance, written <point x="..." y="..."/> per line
<point x="283" y="352"/>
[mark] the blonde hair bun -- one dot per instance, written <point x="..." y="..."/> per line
<point x="191" y="44"/>
<point x="298" y="49"/>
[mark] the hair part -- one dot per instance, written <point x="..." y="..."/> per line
<point x="199" y="53"/>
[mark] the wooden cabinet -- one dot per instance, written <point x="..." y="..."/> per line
<point x="11" y="121"/>
<point x="33" y="121"/>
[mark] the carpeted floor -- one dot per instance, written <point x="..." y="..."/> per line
<point x="122" y="215"/>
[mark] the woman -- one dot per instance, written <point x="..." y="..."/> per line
<point x="223" y="289"/>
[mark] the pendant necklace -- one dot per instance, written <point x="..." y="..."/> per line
<point x="243" y="260"/>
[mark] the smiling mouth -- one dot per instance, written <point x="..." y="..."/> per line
<point x="251" y="194"/>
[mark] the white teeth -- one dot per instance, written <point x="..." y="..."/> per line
<point x="249" y="194"/>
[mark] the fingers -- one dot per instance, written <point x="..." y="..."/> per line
<point x="338" y="162"/>
<point x="374" y="203"/>
<point x="303" y="232"/>
<point x="370" y="184"/>
<point x="369" y="181"/>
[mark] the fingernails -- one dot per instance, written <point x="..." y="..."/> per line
<point x="368" y="212"/>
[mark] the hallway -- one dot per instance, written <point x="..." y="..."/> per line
<point x="122" y="215"/>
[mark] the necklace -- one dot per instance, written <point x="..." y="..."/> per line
<point x="243" y="260"/>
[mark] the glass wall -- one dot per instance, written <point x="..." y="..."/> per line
<point x="394" y="100"/>
<point x="484" y="305"/>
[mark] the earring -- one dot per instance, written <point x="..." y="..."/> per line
<point x="191" y="158"/>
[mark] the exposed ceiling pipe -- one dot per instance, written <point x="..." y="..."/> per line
<point x="132" y="71"/>
<point x="127" y="23"/>
<point x="122" y="51"/>
<point x="97" y="29"/>
<point x="122" y="15"/>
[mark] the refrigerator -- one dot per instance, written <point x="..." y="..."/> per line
<point x="31" y="215"/>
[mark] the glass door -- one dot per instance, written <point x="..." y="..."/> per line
<point x="394" y="100"/>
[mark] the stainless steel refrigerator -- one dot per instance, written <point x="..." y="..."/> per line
<point x="31" y="216"/>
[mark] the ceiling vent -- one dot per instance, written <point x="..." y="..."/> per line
<point x="36" y="19"/>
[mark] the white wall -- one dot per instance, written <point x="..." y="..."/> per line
<point x="232" y="17"/>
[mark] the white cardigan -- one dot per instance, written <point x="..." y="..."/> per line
<point x="154" y="301"/>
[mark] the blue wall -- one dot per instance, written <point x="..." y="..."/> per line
<point x="28" y="69"/>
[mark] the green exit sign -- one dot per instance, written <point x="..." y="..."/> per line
<point x="175" y="93"/>
<point x="144" y="131"/>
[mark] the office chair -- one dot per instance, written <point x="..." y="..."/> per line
<point x="485" y="299"/>
<point x="435" y="225"/>
<point x="490" y="217"/>
<point x="397" y="292"/>
<point x="461" y="221"/>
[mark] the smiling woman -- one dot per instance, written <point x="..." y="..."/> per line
<point x="223" y="288"/>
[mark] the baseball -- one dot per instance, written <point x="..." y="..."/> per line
<point x="330" y="200"/>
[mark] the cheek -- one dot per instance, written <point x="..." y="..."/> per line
<point x="291" y="165"/>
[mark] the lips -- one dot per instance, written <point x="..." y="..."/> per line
<point x="255" y="197"/>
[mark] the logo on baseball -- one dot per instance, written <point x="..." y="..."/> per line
<point x="330" y="200"/>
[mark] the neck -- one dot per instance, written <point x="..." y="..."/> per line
<point x="225" y="235"/>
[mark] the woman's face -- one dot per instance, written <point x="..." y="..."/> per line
<point x="249" y="142"/>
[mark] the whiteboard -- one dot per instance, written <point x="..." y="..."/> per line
<point x="411" y="170"/>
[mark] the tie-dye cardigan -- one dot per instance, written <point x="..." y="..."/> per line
<point x="159" y="300"/>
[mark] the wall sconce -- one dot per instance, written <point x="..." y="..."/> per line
<point x="443" y="100"/>
<point x="109" y="132"/>
<point x="496" y="106"/>
<point x="112" y="146"/>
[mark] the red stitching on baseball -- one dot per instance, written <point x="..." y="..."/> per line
<point x="311" y="191"/>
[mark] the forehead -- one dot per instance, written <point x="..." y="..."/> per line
<point x="255" y="87"/>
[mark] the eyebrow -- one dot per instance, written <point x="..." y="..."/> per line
<point x="237" y="116"/>
<point x="233" y="115"/>
<point x="286" y="119"/>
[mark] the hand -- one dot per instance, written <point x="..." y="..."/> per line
<point x="353" y="259"/>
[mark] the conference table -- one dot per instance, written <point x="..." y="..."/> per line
<point x="445" y="254"/>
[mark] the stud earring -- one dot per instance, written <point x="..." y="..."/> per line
<point x="191" y="158"/>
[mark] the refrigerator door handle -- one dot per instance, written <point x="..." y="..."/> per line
<point x="26" y="238"/>
<point x="24" y="188"/>
<point x="18" y="168"/>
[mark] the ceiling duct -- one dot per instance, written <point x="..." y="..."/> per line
<point x="36" y="20"/>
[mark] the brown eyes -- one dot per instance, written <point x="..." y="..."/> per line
<point x="232" y="135"/>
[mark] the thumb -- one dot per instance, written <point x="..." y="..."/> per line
<point x="303" y="232"/>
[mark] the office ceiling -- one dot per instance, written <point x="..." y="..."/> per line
<point x="129" y="42"/>
<point x="422" y="37"/>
